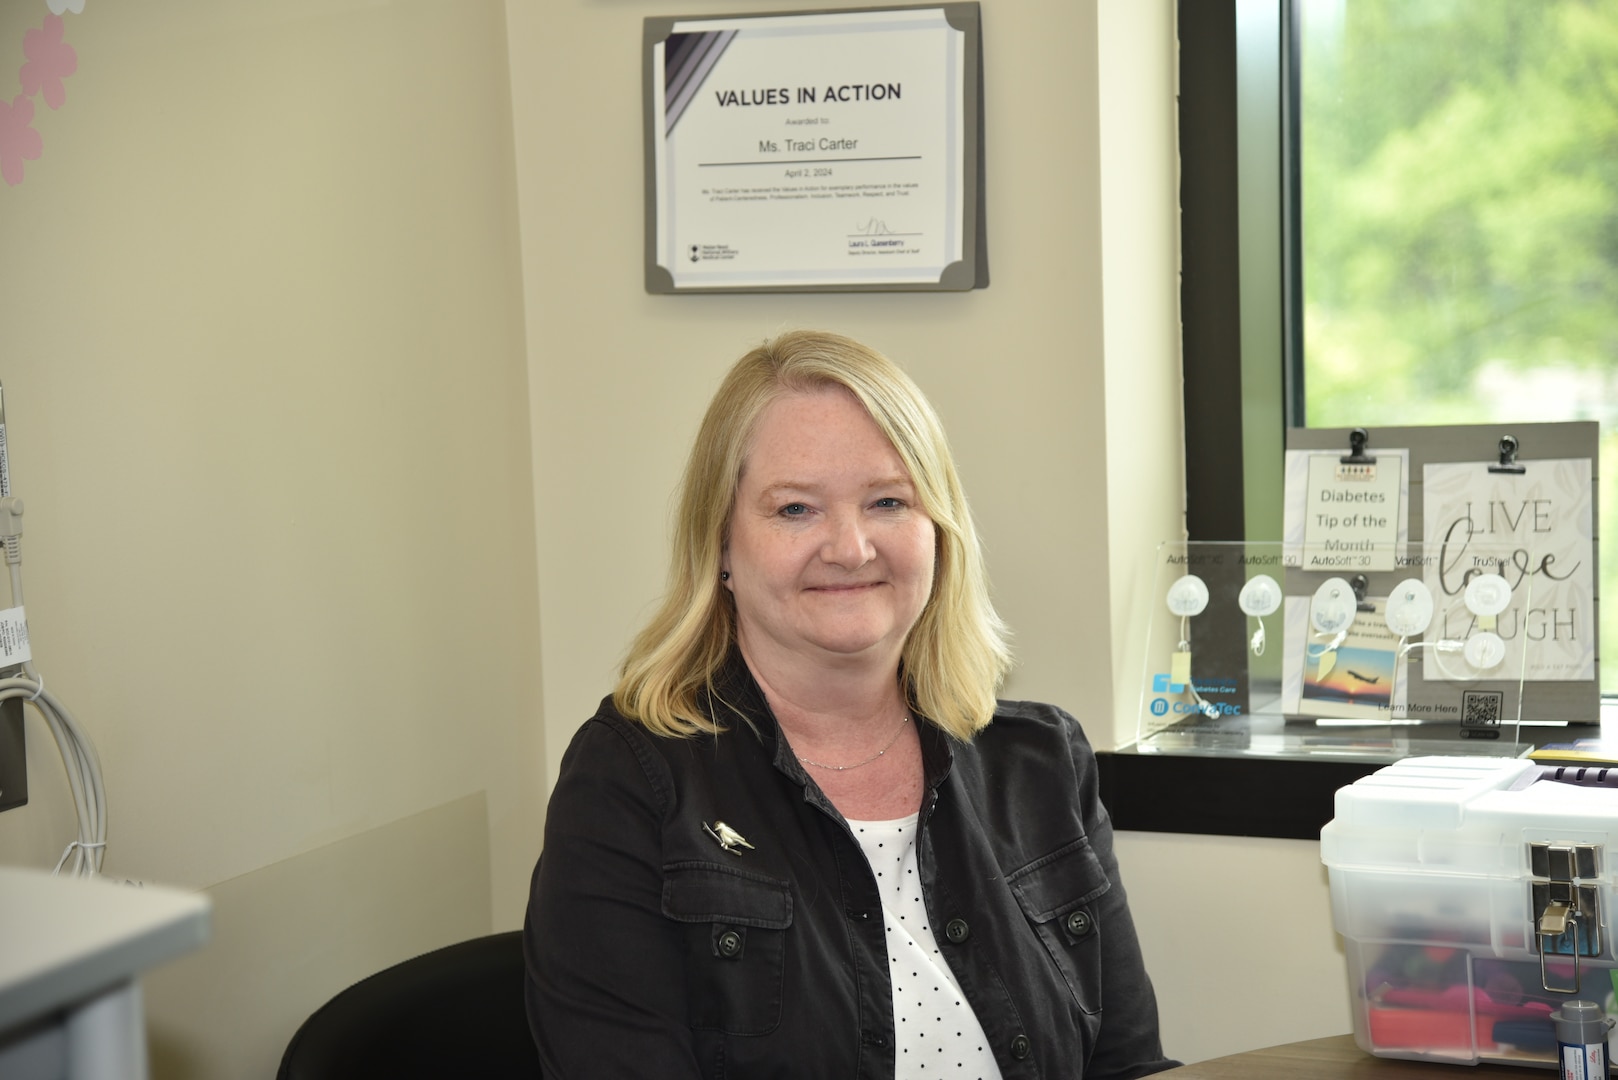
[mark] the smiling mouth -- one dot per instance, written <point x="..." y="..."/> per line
<point x="850" y="587"/>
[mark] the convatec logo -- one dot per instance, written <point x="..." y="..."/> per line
<point x="1162" y="685"/>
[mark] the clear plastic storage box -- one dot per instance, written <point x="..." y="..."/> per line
<point x="1474" y="896"/>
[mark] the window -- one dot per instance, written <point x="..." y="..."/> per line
<point x="1393" y="212"/>
<point x="1427" y="198"/>
<point x="1457" y="220"/>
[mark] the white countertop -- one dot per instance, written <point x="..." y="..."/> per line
<point x="65" y="939"/>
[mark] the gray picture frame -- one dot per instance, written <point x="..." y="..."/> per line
<point x="970" y="272"/>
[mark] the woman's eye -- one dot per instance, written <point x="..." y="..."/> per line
<point x="794" y="510"/>
<point x="889" y="503"/>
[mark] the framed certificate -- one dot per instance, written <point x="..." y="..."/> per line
<point x="829" y="150"/>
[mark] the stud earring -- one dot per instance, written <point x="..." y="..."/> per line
<point x="724" y="575"/>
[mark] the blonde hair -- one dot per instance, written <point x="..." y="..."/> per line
<point x="957" y="653"/>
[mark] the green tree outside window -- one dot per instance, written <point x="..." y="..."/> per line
<point x="1459" y="163"/>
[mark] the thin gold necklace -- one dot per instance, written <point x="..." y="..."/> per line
<point x="903" y="720"/>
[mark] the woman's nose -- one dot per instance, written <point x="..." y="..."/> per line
<point x="848" y="545"/>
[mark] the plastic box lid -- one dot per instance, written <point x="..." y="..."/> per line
<point x="1461" y="816"/>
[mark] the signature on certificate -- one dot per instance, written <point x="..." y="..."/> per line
<point x="873" y="227"/>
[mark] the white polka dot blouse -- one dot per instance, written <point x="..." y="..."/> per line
<point x="938" y="1034"/>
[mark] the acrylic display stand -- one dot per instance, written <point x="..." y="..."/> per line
<point x="1249" y="653"/>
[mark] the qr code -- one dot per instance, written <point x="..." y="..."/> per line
<point x="1482" y="708"/>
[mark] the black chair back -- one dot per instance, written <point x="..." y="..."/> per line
<point x="454" y="1012"/>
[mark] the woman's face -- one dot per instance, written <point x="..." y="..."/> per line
<point x="830" y="553"/>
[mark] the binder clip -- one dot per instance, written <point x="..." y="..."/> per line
<point x="1357" y="464"/>
<point x="1508" y="457"/>
<point x="1356" y="449"/>
<point x="1361" y="585"/>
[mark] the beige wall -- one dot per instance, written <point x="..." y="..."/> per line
<point x="339" y="406"/>
<point x="266" y="392"/>
<point x="618" y="378"/>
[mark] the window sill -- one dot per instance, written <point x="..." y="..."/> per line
<point x="1229" y="790"/>
<point x="1286" y="798"/>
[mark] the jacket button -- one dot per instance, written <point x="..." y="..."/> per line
<point x="730" y="944"/>
<point x="1078" y="923"/>
<point x="1020" y="1047"/>
<point x="957" y="931"/>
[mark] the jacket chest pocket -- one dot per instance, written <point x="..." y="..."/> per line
<point x="735" y="925"/>
<point x="1060" y="896"/>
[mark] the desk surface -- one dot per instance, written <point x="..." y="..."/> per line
<point x="62" y="939"/>
<point x="1334" y="1058"/>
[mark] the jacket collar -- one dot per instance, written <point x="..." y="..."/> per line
<point x="738" y="704"/>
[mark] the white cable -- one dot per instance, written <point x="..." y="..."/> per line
<point x="1203" y="706"/>
<point x="83" y="768"/>
<point x="1438" y="649"/>
<point x="1313" y="654"/>
<point x="70" y="849"/>
<point x="84" y="855"/>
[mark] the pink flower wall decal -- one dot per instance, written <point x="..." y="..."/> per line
<point x="50" y="60"/>
<point x="18" y="139"/>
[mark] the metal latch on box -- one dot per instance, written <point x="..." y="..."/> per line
<point x="1567" y="912"/>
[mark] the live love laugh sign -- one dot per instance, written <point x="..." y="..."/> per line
<point x="1533" y="528"/>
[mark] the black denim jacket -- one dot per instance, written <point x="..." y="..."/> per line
<point x="654" y="952"/>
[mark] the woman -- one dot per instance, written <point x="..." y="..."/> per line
<point x="802" y="837"/>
